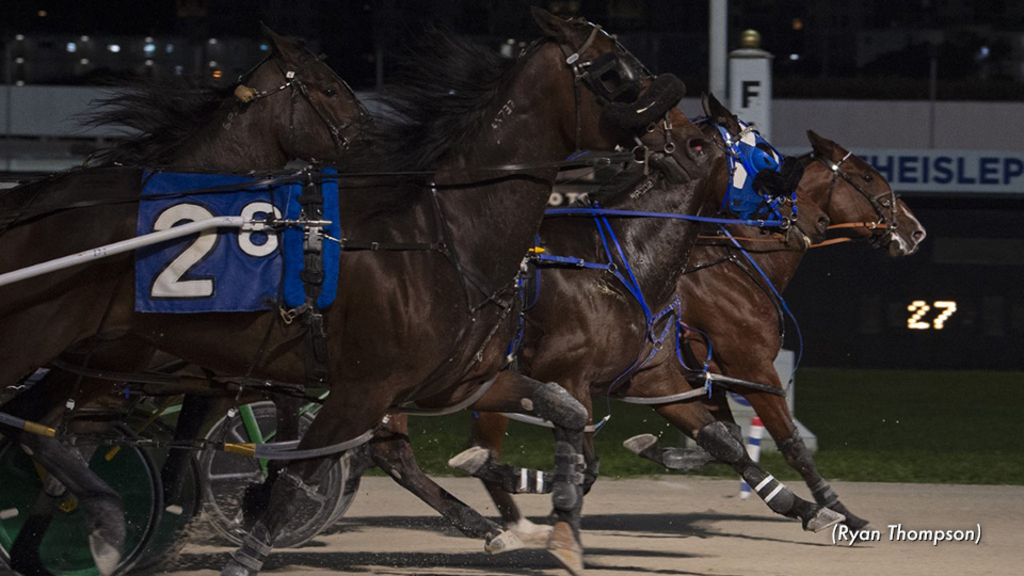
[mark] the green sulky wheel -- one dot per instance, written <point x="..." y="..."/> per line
<point x="227" y="477"/>
<point x="65" y="547"/>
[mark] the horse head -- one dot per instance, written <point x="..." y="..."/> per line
<point x="315" y="114"/>
<point x="609" y="83"/>
<point x="854" y="194"/>
<point x="777" y="177"/>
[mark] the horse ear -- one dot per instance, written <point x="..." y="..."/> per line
<point x="720" y="114"/>
<point x="553" y="26"/>
<point x="283" y="45"/>
<point x="822" y="146"/>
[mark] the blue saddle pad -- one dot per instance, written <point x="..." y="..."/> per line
<point x="227" y="269"/>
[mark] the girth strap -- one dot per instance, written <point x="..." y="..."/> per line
<point x="312" y="276"/>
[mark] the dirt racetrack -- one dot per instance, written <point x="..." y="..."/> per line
<point x="667" y="526"/>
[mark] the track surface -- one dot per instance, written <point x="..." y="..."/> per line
<point x="668" y="526"/>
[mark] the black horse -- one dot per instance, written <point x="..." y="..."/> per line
<point x="427" y="325"/>
<point x="260" y="123"/>
<point x="609" y="331"/>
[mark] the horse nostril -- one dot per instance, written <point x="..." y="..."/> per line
<point x="697" y="145"/>
<point x="823" y="224"/>
<point x="918" y="235"/>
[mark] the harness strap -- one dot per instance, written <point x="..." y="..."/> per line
<point x="312" y="276"/>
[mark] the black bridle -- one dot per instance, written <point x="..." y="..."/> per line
<point x="615" y="76"/>
<point x="882" y="203"/>
<point x="292" y="80"/>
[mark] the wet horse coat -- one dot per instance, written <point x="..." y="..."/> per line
<point x="445" y="311"/>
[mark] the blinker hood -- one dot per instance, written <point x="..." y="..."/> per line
<point x="661" y="96"/>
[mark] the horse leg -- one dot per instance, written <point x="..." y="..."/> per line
<point x="517" y="393"/>
<point x="287" y="422"/>
<point x="391" y="451"/>
<point x="343" y="417"/>
<point x="500" y="480"/>
<point x="194" y="411"/>
<point x="774" y="412"/>
<point x="717" y="440"/>
<point x="66" y="466"/>
<point x="103" y="507"/>
<point x="25" y="558"/>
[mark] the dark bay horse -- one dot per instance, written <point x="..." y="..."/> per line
<point x="610" y="332"/>
<point x="725" y="298"/>
<point x="685" y="172"/>
<point x="425" y="326"/>
<point x="260" y="123"/>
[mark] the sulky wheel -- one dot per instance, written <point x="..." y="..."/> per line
<point x="349" y="490"/>
<point x="180" y="505"/>
<point x="64" y="549"/>
<point x="227" y="477"/>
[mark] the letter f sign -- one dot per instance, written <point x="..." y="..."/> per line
<point x="750" y="89"/>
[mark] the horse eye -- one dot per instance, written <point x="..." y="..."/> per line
<point x="868" y="177"/>
<point x="330" y="92"/>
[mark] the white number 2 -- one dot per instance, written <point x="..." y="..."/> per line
<point x="169" y="282"/>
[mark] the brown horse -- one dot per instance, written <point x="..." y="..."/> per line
<point x="423" y="326"/>
<point x="724" y="298"/>
<point x="261" y="123"/>
<point x="600" y="331"/>
<point x="687" y="171"/>
<point x="851" y="192"/>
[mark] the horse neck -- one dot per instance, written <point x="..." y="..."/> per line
<point x="778" y="262"/>
<point x="658" y="249"/>
<point x="492" y="225"/>
<point x="236" y="140"/>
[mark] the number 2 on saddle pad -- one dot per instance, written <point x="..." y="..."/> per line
<point x="227" y="270"/>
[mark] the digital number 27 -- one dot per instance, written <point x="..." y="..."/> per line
<point x="919" y="308"/>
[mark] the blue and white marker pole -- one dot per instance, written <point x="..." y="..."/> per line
<point x="753" y="450"/>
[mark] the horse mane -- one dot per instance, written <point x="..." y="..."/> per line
<point x="441" y="90"/>
<point x="158" y="115"/>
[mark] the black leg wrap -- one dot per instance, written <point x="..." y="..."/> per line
<point x="824" y="495"/>
<point x="554" y="403"/>
<point x="568" y="477"/>
<point x="720" y="443"/>
<point x="590" y="475"/>
<point x="797" y="455"/>
<point x="774" y="493"/>
<point x="255" y="549"/>
<point x="736" y="432"/>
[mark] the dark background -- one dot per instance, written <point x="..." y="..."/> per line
<point x="814" y="40"/>
<point x="851" y="301"/>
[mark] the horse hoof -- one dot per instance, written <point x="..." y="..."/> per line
<point x="104" y="554"/>
<point x="503" y="542"/>
<point x="564" y="547"/>
<point x="233" y="568"/>
<point x="531" y="534"/>
<point x="855" y="523"/>
<point x="470" y="460"/>
<point x="639" y="443"/>
<point x="822" y="519"/>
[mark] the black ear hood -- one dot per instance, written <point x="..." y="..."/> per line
<point x="768" y="182"/>
<point x="661" y="96"/>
